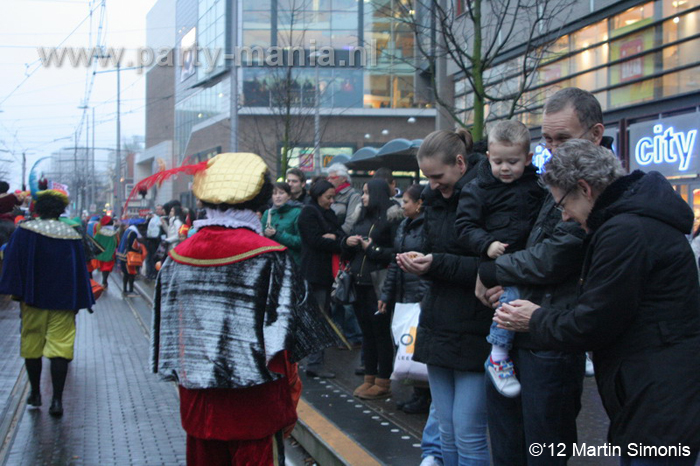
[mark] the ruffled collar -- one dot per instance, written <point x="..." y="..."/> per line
<point x="231" y="218"/>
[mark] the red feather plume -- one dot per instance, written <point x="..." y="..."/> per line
<point x="158" y="178"/>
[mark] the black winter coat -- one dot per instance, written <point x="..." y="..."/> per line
<point x="639" y="311"/>
<point x="453" y="323"/>
<point x="380" y="253"/>
<point x="317" y="251"/>
<point x="400" y="286"/>
<point x="491" y="210"/>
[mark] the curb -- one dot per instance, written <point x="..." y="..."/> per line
<point x="334" y="447"/>
<point x="13" y="413"/>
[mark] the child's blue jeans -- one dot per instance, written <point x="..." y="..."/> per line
<point x="498" y="336"/>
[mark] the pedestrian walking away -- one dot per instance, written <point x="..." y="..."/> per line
<point x="45" y="270"/>
<point x="232" y="316"/>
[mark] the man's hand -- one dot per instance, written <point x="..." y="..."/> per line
<point x="270" y="232"/>
<point x="329" y="236"/>
<point x="488" y="296"/>
<point x="381" y="307"/>
<point x="516" y="315"/>
<point x="496" y="249"/>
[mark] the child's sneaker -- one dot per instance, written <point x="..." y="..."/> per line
<point x="590" y="370"/>
<point x="502" y="375"/>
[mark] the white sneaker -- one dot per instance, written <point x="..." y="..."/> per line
<point x="590" y="370"/>
<point x="502" y="375"/>
<point x="430" y="460"/>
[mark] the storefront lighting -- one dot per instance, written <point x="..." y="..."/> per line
<point x="676" y="19"/>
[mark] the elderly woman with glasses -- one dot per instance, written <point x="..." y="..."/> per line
<point x="639" y="306"/>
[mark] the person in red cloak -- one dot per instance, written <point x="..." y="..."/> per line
<point x="231" y="317"/>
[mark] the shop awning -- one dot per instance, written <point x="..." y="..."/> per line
<point x="397" y="154"/>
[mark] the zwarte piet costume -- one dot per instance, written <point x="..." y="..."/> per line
<point x="45" y="270"/>
<point x="231" y="318"/>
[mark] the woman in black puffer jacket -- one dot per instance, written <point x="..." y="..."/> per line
<point x="400" y="286"/>
<point x="404" y="287"/>
<point x="370" y="248"/>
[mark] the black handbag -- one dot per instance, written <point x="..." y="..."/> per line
<point x="344" y="287"/>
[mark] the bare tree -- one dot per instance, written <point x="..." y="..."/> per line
<point x="291" y="91"/>
<point x="474" y="35"/>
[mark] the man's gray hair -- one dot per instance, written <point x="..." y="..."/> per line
<point x="579" y="159"/>
<point x="339" y="169"/>
<point x="585" y="105"/>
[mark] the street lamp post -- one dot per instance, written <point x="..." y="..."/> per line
<point x="317" y="115"/>
<point x="118" y="183"/>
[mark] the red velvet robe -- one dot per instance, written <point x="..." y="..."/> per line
<point x="235" y="416"/>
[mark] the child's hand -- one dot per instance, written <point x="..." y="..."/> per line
<point x="496" y="249"/>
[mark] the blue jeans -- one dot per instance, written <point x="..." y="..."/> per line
<point x="498" y="336"/>
<point x="545" y="411"/>
<point x="430" y="443"/>
<point x="344" y="317"/>
<point x="660" y="461"/>
<point x="460" y="404"/>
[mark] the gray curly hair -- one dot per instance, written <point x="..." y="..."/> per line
<point x="579" y="159"/>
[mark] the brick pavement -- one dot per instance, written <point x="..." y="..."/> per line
<point x="11" y="365"/>
<point x="116" y="411"/>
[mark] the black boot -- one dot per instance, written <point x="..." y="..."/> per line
<point x="33" y="366"/>
<point x="131" y="283"/>
<point x="105" y="277"/>
<point x="59" y="371"/>
<point x="421" y="404"/>
<point x="125" y="283"/>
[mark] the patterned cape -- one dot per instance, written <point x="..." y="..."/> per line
<point x="226" y="302"/>
<point x="45" y="267"/>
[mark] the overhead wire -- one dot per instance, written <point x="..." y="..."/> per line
<point x="29" y="74"/>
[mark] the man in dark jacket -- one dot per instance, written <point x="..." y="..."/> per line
<point x="296" y="179"/>
<point x="547" y="271"/>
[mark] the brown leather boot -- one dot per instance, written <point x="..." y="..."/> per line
<point x="369" y="382"/>
<point x="380" y="389"/>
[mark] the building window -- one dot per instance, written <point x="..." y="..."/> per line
<point x="634" y="18"/>
<point x="211" y="35"/>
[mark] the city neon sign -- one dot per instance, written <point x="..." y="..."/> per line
<point x="667" y="146"/>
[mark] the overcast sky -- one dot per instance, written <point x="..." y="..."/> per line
<point x="45" y="105"/>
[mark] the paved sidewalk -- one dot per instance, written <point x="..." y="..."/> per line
<point x="116" y="411"/>
<point x="10" y="364"/>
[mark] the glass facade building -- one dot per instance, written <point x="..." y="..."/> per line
<point x="372" y="53"/>
<point x="645" y="53"/>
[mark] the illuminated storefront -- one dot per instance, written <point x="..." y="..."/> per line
<point x="671" y="147"/>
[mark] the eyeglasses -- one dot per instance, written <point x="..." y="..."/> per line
<point x="560" y="205"/>
<point x="554" y="143"/>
